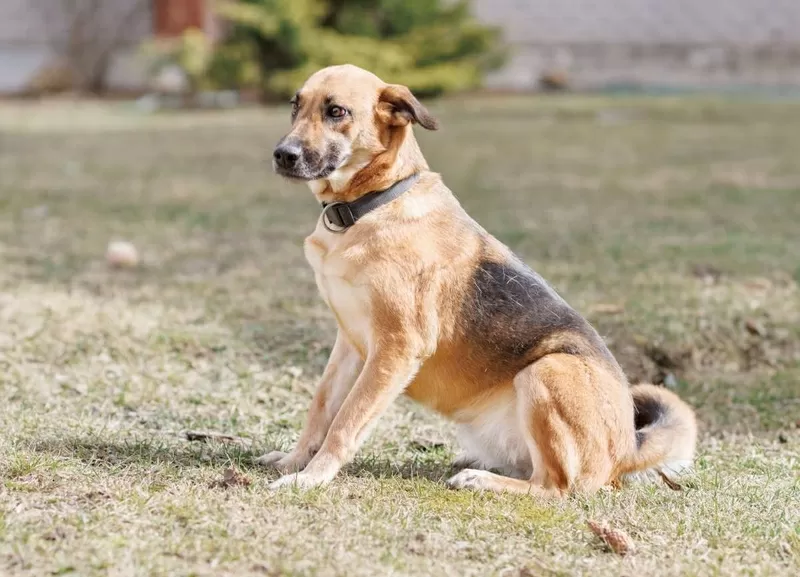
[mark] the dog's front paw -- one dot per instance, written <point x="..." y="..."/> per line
<point x="299" y="480"/>
<point x="283" y="462"/>
<point x="470" y="479"/>
<point x="271" y="459"/>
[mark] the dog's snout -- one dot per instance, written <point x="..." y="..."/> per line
<point x="287" y="154"/>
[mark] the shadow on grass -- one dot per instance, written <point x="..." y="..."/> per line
<point x="419" y="466"/>
<point x="99" y="452"/>
<point x="154" y="452"/>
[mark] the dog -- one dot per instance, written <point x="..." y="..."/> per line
<point x="432" y="306"/>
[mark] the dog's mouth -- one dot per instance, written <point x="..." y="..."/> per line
<point x="303" y="172"/>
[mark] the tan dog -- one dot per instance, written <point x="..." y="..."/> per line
<point x="430" y="305"/>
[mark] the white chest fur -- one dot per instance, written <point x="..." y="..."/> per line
<point x="343" y="289"/>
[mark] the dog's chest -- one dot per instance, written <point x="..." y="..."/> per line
<point x="340" y="288"/>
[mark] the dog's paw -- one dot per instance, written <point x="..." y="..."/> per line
<point x="470" y="479"/>
<point x="282" y="462"/>
<point x="299" y="480"/>
<point x="271" y="459"/>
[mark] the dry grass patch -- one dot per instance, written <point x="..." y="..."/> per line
<point x="672" y="224"/>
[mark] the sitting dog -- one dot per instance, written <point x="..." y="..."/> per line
<point x="430" y="305"/>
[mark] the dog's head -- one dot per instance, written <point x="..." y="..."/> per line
<point x="342" y="119"/>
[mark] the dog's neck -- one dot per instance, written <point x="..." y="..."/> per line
<point x="401" y="158"/>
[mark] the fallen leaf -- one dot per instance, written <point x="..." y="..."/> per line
<point x="616" y="539"/>
<point x="202" y="436"/>
<point x="755" y="328"/>
<point x="232" y="478"/>
<point x="669" y="482"/>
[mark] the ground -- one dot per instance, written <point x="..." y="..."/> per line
<point x="671" y="224"/>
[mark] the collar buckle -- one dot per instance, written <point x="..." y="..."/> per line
<point x="337" y="217"/>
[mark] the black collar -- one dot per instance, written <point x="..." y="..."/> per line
<point x="339" y="216"/>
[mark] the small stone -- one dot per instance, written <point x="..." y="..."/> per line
<point x="782" y="438"/>
<point x="670" y="381"/>
<point x="122" y="254"/>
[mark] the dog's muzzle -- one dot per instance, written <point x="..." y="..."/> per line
<point x="287" y="155"/>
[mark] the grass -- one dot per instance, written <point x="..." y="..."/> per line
<point x="672" y="224"/>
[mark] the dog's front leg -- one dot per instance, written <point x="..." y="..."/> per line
<point x="342" y="370"/>
<point x="387" y="372"/>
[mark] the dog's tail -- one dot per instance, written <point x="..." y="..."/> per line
<point x="666" y="434"/>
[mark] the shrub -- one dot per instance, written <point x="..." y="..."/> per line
<point x="433" y="46"/>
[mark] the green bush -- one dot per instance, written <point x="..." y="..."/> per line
<point x="432" y="46"/>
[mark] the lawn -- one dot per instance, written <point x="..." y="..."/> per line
<point x="673" y="225"/>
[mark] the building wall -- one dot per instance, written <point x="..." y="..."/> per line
<point x="596" y="42"/>
<point x="33" y="32"/>
<point x="668" y="42"/>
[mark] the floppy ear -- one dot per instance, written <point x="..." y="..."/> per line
<point x="397" y="107"/>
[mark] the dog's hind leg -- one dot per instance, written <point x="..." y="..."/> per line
<point x="569" y="439"/>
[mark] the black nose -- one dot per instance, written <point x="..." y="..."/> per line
<point x="287" y="154"/>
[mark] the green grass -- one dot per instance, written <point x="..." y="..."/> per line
<point x="672" y="224"/>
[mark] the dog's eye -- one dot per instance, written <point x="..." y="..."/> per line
<point x="337" y="112"/>
<point x="295" y="107"/>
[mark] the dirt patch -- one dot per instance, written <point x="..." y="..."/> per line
<point x="747" y="345"/>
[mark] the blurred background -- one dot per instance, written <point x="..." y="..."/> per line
<point x="263" y="48"/>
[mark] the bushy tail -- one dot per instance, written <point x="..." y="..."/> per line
<point x="666" y="433"/>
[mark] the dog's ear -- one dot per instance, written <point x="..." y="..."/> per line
<point x="397" y="107"/>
